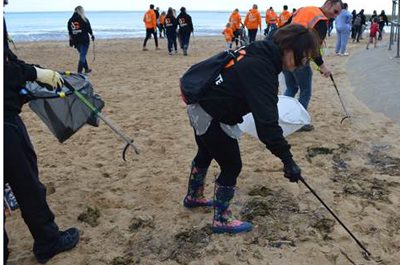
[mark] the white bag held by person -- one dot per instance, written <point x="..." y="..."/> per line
<point x="292" y="116"/>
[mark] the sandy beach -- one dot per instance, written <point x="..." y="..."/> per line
<point x="136" y="214"/>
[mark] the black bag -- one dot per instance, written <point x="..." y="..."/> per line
<point x="196" y="81"/>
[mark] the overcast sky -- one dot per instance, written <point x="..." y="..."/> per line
<point x="215" y="5"/>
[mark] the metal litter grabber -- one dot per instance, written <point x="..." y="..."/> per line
<point x="341" y="101"/>
<point x="337" y="218"/>
<point x="127" y="140"/>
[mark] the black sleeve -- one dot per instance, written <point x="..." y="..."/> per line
<point x="89" y="28"/>
<point x="321" y="28"/>
<point x="190" y="23"/>
<point x="261" y="96"/>
<point x="69" y="27"/>
<point x="17" y="72"/>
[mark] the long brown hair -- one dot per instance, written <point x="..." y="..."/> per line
<point x="304" y="42"/>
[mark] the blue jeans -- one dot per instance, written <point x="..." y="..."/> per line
<point x="83" y="50"/>
<point x="301" y="78"/>
<point x="342" y="37"/>
<point x="171" y="36"/>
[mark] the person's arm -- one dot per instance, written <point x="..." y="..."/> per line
<point x="321" y="29"/>
<point x="260" y="89"/>
<point x="190" y="23"/>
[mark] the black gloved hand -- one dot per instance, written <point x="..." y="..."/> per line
<point x="71" y="43"/>
<point x="93" y="37"/>
<point x="292" y="171"/>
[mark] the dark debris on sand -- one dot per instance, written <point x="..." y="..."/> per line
<point x="90" y="216"/>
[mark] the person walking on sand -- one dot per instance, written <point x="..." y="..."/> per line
<point x="253" y="22"/>
<point x="236" y="23"/>
<point x="373" y="31"/>
<point x="185" y="29"/>
<point x="161" y="26"/>
<point x="271" y="19"/>
<point x="301" y="79"/>
<point x="382" y="21"/>
<point x="359" y="23"/>
<point x="228" y="34"/>
<point x="20" y="161"/>
<point x="343" y="29"/>
<point x="284" y="16"/>
<point x="79" y="30"/>
<point x="171" y="24"/>
<point x="353" y="27"/>
<point x="150" y="21"/>
<point x="249" y="85"/>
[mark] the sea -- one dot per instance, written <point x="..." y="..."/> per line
<point x="52" y="26"/>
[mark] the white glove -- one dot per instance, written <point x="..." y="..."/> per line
<point x="49" y="77"/>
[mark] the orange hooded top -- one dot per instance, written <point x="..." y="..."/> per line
<point x="236" y="20"/>
<point x="283" y="18"/>
<point x="162" y="19"/>
<point x="308" y="16"/>
<point x="253" y="19"/>
<point x="150" y="19"/>
<point x="271" y="17"/>
<point x="228" y="32"/>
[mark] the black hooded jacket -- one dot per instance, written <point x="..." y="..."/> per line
<point x="185" y="23"/>
<point x="251" y="85"/>
<point x="79" y="29"/>
<point x="16" y="73"/>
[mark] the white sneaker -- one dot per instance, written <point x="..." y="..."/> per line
<point x="345" y="54"/>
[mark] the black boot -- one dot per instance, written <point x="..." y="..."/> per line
<point x="195" y="194"/>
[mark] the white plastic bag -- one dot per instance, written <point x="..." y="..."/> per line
<point x="292" y="116"/>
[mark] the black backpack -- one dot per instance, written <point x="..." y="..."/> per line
<point x="196" y="81"/>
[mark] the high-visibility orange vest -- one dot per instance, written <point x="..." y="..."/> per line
<point x="308" y="16"/>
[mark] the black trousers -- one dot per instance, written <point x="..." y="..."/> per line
<point x="150" y="32"/>
<point x="21" y="172"/>
<point x="216" y="144"/>
<point x="252" y="35"/>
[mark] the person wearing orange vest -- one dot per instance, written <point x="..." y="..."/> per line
<point x="253" y="22"/>
<point x="161" y="26"/>
<point x="301" y="79"/>
<point x="236" y="24"/>
<point x="150" y="21"/>
<point x="271" y="19"/>
<point x="284" y="16"/>
<point x="228" y="33"/>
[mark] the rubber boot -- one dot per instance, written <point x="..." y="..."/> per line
<point x="224" y="221"/>
<point x="195" y="194"/>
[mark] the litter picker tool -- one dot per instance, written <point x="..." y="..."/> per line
<point x="334" y="215"/>
<point x="127" y="140"/>
<point x="340" y="98"/>
<point x="94" y="51"/>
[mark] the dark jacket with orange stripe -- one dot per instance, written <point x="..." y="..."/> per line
<point x="251" y="85"/>
<point x="312" y="17"/>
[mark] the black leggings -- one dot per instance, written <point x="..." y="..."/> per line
<point x="216" y="144"/>
<point x="148" y="36"/>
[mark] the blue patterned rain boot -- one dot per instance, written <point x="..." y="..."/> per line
<point x="224" y="221"/>
<point x="195" y="195"/>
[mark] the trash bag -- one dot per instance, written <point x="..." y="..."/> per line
<point x="292" y="116"/>
<point x="62" y="111"/>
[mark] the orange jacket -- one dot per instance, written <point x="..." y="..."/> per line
<point x="228" y="32"/>
<point x="308" y="16"/>
<point x="162" y="19"/>
<point x="150" y="19"/>
<point x="283" y="18"/>
<point x="271" y="17"/>
<point x="236" y="20"/>
<point x="253" y="19"/>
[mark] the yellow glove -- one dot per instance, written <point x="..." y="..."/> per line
<point x="49" y="77"/>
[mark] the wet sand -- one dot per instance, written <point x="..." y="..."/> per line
<point x="137" y="215"/>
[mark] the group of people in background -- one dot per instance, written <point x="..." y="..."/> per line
<point x="354" y="24"/>
<point x="171" y="26"/>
